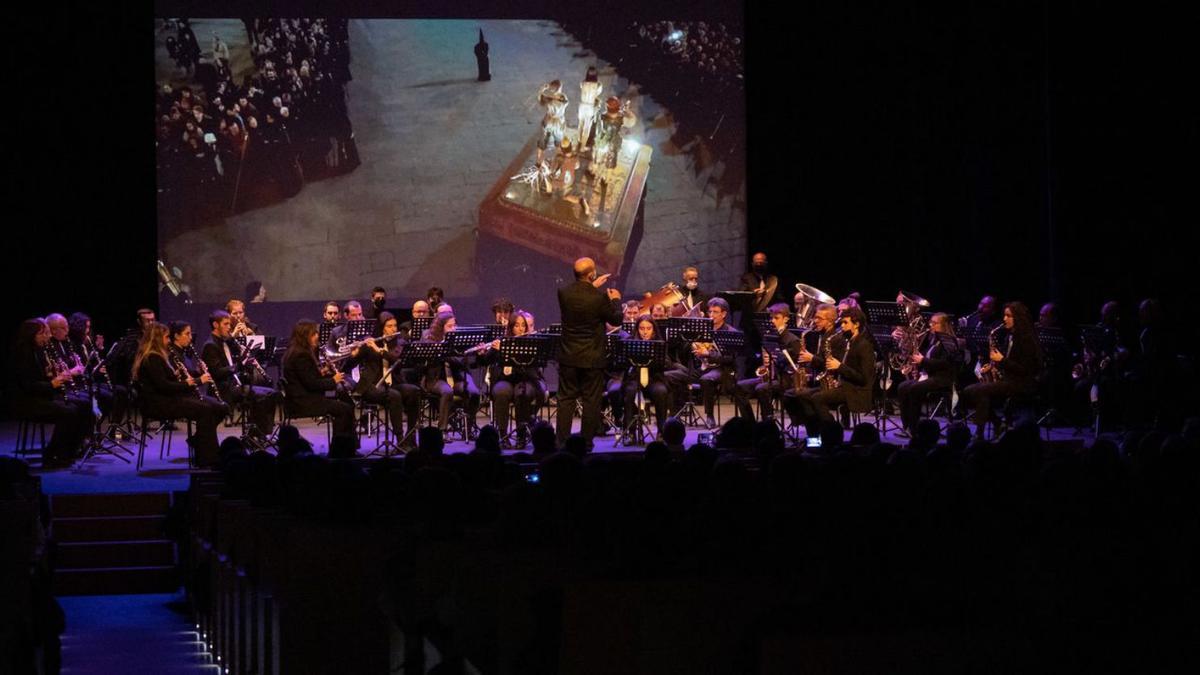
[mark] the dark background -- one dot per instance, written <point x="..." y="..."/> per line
<point x="1036" y="150"/>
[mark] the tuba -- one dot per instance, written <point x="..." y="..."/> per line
<point x="808" y="307"/>
<point x="913" y="333"/>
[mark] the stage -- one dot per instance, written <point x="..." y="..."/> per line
<point x="106" y="474"/>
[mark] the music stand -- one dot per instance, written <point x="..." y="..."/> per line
<point x="612" y="351"/>
<point x="739" y="301"/>
<point x="359" y="329"/>
<point x="729" y="342"/>
<point x="496" y="331"/>
<point x="680" y="329"/>
<point x="639" y="354"/>
<point x="463" y="338"/>
<point x="883" y="313"/>
<point x="1054" y="344"/>
<point x="629" y="327"/>
<point x="420" y="324"/>
<point x="762" y="322"/>
<point x="325" y="331"/>
<point x="975" y="337"/>
<point x="553" y="329"/>
<point x="527" y="351"/>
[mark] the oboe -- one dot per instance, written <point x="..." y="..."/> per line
<point x="181" y="372"/>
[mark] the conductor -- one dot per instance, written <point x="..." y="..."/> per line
<point x="585" y="310"/>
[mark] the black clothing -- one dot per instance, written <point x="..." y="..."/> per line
<point x="694" y="297"/>
<point x="856" y="377"/>
<point x="1018" y="376"/>
<point x="400" y="398"/>
<point x="523" y="386"/>
<point x="448" y="380"/>
<point x="304" y="394"/>
<point x="941" y="364"/>
<point x="223" y="358"/>
<point x="585" y="310"/>
<point x="784" y="380"/>
<point x="719" y="377"/>
<point x="165" y="396"/>
<point x="35" y="399"/>
<point x="750" y="281"/>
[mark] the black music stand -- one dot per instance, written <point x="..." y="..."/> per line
<point x="463" y="338"/>
<point x="360" y="329"/>
<point x="325" y="331"/>
<point x="1054" y="344"/>
<point x="553" y="329"/>
<point x="419" y="355"/>
<point x="739" y="301"/>
<point x="883" y="313"/>
<point x="420" y="324"/>
<point x="729" y="342"/>
<point x="527" y="351"/>
<point x="680" y="329"/>
<point x="762" y="321"/>
<point x="639" y="354"/>
<point x="495" y="330"/>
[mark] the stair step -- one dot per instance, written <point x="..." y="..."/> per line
<point x="95" y="505"/>
<point x="115" y="580"/>
<point x="143" y="553"/>
<point x="108" y="528"/>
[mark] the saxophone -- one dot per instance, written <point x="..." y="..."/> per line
<point x="766" y="372"/>
<point x="827" y="379"/>
<point x="989" y="372"/>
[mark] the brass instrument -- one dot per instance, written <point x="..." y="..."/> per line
<point x="712" y="352"/>
<point x="242" y="329"/>
<point x="216" y="391"/>
<point x="912" y="334"/>
<point x="342" y="352"/>
<point x="1090" y="363"/>
<point x="668" y="296"/>
<point x="812" y="297"/>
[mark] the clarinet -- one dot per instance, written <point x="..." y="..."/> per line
<point x="216" y="391"/>
<point x="181" y="372"/>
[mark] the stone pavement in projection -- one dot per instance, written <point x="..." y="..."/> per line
<point x="432" y="142"/>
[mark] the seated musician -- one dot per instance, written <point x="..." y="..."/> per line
<point x="168" y="390"/>
<point x="306" y="382"/>
<point x="242" y="325"/>
<point x="658" y="311"/>
<point x="514" y="383"/>
<point x="91" y="354"/>
<point x="1014" y="363"/>
<point x="935" y="367"/>
<point x="420" y="310"/>
<point x="715" y="369"/>
<point x="766" y="390"/>
<point x="850" y="365"/>
<point x="332" y="315"/>
<point x="451" y="377"/>
<point x="380" y="383"/>
<point x="652" y="380"/>
<point x="37" y="394"/>
<point x="502" y="309"/>
<point x="816" y="343"/>
<point x="232" y="370"/>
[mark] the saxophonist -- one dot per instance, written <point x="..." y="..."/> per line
<point x="1014" y="362"/>
<point x="766" y="389"/>
<point x="853" y="374"/>
<point x="227" y="363"/>
<point x="799" y="403"/>
<point x="934" y="369"/>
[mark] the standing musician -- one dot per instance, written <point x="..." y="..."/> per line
<point x="585" y="310"/>
<point x="242" y="325"/>
<point x="37" y="394"/>
<point x="168" y="390"/>
<point x="307" y="381"/>
<point x="765" y="387"/>
<point x="233" y="372"/>
<point x="513" y="382"/>
<point x="761" y="282"/>
<point x="654" y="380"/>
<point x="852" y="370"/>
<point x="716" y="368"/>
<point x="1014" y="363"/>
<point x="450" y="377"/>
<point x="694" y="300"/>
<point x="935" y="368"/>
<point x="376" y="384"/>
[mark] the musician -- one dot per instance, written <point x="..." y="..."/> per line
<point x="434" y="296"/>
<point x="502" y="309"/>
<point x="761" y="282"/>
<point x="242" y="325"/>
<point x="767" y="389"/>
<point x="1015" y="361"/>
<point x="512" y="382"/>
<point x="339" y="336"/>
<point x="37" y="394"/>
<point x="651" y="380"/>
<point x="658" y="311"/>
<point x="306" y="382"/>
<point x="1056" y="343"/>
<point x="823" y="338"/>
<point x="853" y="368"/>
<point x="450" y="377"/>
<point x="716" y="368"/>
<point x="378" y="301"/>
<point x="985" y="317"/>
<point x="256" y="291"/>
<point x="935" y="367"/>
<point x="630" y="311"/>
<point x="91" y="354"/>
<point x="120" y="358"/>
<point x="692" y="295"/>
<point x="168" y="390"/>
<point x="584" y="309"/>
<point x="1098" y="374"/>
<point x="61" y="347"/>
<point x="229" y="364"/>
<point x="376" y="384"/>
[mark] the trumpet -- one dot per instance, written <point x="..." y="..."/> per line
<point x="242" y="329"/>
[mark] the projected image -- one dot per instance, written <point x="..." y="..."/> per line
<point x="313" y="159"/>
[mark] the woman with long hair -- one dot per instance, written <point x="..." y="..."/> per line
<point x="169" y="391"/>
<point x="38" y="394"/>
<point x="1014" y="363"/>
<point x="306" y="383"/>
<point x="651" y="380"/>
<point x="514" y="383"/>
<point x="378" y="385"/>
<point x="450" y="377"/>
